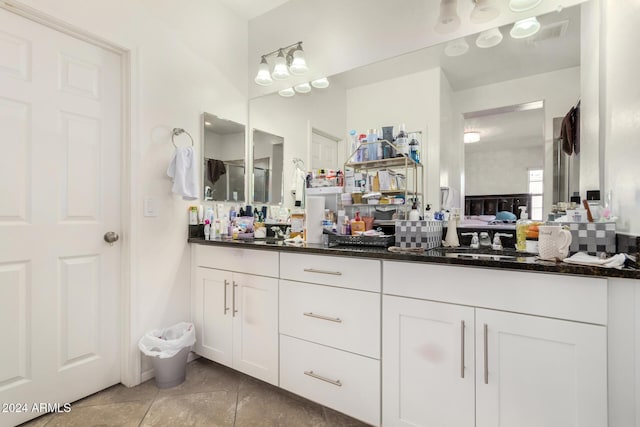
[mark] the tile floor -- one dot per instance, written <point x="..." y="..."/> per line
<point x="212" y="395"/>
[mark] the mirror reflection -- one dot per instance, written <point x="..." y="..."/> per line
<point x="224" y="165"/>
<point x="268" y="157"/>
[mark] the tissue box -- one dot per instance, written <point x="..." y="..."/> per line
<point x="418" y="234"/>
<point x="593" y="237"/>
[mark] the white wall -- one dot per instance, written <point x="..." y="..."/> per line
<point x="501" y="171"/>
<point x="413" y="100"/>
<point x="292" y="119"/>
<point x="186" y="61"/>
<point x="224" y="147"/>
<point x="451" y="135"/>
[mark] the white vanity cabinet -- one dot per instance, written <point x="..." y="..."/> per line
<point x="330" y="332"/>
<point x="236" y="314"/>
<point x="492" y="347"/>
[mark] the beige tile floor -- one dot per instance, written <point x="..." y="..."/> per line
<point x="212" y="395"/>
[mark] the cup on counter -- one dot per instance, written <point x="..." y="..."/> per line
<point x="553" y="242"/>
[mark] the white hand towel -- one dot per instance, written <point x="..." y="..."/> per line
<point x="300" y="183"/>
<point x="616" y="261"/>
<point x="183" y="171"/>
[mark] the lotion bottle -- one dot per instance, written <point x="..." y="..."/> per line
<point x="521" y="229"/>
<point x="357" y="225"/>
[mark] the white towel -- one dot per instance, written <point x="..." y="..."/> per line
<point x="616" y="261"/>
<point x="183" y="171"/>
<point x="299" y="184"/>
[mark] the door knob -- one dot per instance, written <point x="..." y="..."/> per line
<point x="110" y="237"/>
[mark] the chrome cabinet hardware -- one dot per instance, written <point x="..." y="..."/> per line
<point x="321" y="378"/>
<point x="319" y="316"/>
<point x="486" y="355"/>
<point x="224" y="303"/>
<point x="313" y="270"/>
<point x="233" y="298"/>
<point x="462" y="349"/>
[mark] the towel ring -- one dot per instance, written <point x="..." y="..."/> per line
<point x="179" y="131"/>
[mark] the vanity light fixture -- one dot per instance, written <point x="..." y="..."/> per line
<point x="523" y="5"/>
<point x="321" y="83"/>
<point x="456" y="47"/>
<point x="287" y="93"/>
<point x="489" y="38"/>
<point x="525" y="28"/>
<point x="303" y="88"/>
<point x="448" y="20"/>
<point x="483" y="11"/>
<point x="288" y="60"/>
<point x="471" y="137"/>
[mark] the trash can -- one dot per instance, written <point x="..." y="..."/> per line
<point x="169" y="349"/>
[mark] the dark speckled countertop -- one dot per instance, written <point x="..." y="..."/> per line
<point x="511" y="261"/>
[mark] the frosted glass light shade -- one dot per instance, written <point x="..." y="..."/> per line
<point x="298" y="64"/>
<point x="320" y="83"/>
<point x="263" y="78"/>
<point x="489" y="38"/>
<point x="483" y="11"/>
<point x="280" y="70"/>
<point x="525" y="28"/>
<point x="303" y="88"/>
<point x="523" y="5"/>
<point x="448" y="20"/>
<point x="456" y="47"/>
<point x="471" y="137"/>
<point x="287" y="93"/>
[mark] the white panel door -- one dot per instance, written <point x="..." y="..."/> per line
<point x="213" y="315"/>
<point x="533" y="371"/>
<point x="324" y="152"/>
<point x="427" y="363"/>
<point x="59" y="193"/>
<point x="255" y="326"/>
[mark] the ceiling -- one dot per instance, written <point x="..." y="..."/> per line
<point x="509" y="130"/>
<point x="249" y="9"/>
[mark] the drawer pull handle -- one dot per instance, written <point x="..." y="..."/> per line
<point x="313" y="270"/>
<point x="321" y="378"/>
<point x="486" y="354"/>
<point x="462" y="349"/>
<point x="319" y="316"/>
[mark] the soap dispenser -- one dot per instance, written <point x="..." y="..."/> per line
<point x="521" y="229"/>
<point x="452" y="233"/>
<point x="414" y="214"/>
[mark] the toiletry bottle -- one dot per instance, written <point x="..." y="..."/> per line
<point x="521" y="229"/>
<point x="200" y="214"/>
<point x="207" y="230"/>
<point x="372" y="140"/>
<point x="401" y="142"/>
<point x="193" y="215"/>
<point x="354" y="141"/>
<point x="357" y="225"/>
<point x="428" y="215"/>
<point x="414" y="147"/>
<point x="414" y="214"/>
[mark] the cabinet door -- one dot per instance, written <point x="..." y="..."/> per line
<point x="255" y="326"/>
<point x="427" y="363"/>
<point x="533" y="371"/>
<point x="212" y="315"/>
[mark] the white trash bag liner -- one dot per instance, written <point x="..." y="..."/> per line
<point x="164" y="343"/>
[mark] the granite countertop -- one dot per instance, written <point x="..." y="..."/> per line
<point x="460" y="256"/>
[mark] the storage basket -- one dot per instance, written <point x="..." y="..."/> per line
<point x="593" y="237"/>
<point x="418" y="234"/>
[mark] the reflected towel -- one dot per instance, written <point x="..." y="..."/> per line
<point x="215" y="169"/>
<point x="182" y="169"/>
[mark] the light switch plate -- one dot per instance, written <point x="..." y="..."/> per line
<point x="150" y="207"/>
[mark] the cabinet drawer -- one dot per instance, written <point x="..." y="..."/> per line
<point x="354" y="273"/>
<point x="262" y="263"/>
<point x="341" y="318"/>
<point x="343" y="381"/>
<point x="582" y="299"/>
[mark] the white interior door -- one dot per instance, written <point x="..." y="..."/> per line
<point x="59" y="193"/>
<point x="324" y="152"/>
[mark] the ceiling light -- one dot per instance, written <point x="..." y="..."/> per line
<point x="525" y="28"/>
<point x="483" y="11"/>
<point x="320" y="83"/>
<point x="287" y="93"/>
<point x="263" y="78"/>
<point x="448" y="20"/>
<point x="298" y="64"/>
<point x="523" y="5"/>
<point x="280" y="70"/>
<point x="471" y="137"/>
<point x="207" y="123"/>
<point x="456" y="47"/>
<point x="489" y="38"/>
<point x="302" y="88"/>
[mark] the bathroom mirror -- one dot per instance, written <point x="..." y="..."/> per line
<point x="223" y="159"/>
<point x="268" y="158"/>
<point x="546" y="68"/>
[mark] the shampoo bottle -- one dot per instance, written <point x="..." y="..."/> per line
<point x="521" y="229"/>
<point x="357" y="225"/>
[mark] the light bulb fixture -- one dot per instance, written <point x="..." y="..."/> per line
<point x="483" y="11"/>
<point x="320" y="83"/>
<point x="263" y="78"/>
<point x="287" y="93"/>
<point x="471" y="137"/>
<point x="295" y="58"/>
<point x="448" y="20"/>
<point x="280" y="70"/>
<point x="456" y="47"/>
<point x="288" y="60"/>
<point x="523" y="5"/>
<point x="303" y="88"/>
<point x="489" y="38"/>
<point x="525" y="28"/>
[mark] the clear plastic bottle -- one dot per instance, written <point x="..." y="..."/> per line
<point x="521" y="229"/>
<point x="414" y="148"/>
<point x="402" y="142"/>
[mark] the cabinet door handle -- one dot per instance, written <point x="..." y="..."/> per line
<point x="313" y="270"/>
<point x="321" y="378"/>
<point x="486" y="355"/>
<point x="233" y="298"/>
<point x="224" y="303"/>
<point x="319" y="316"/>
<point x="462" y="349"/>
